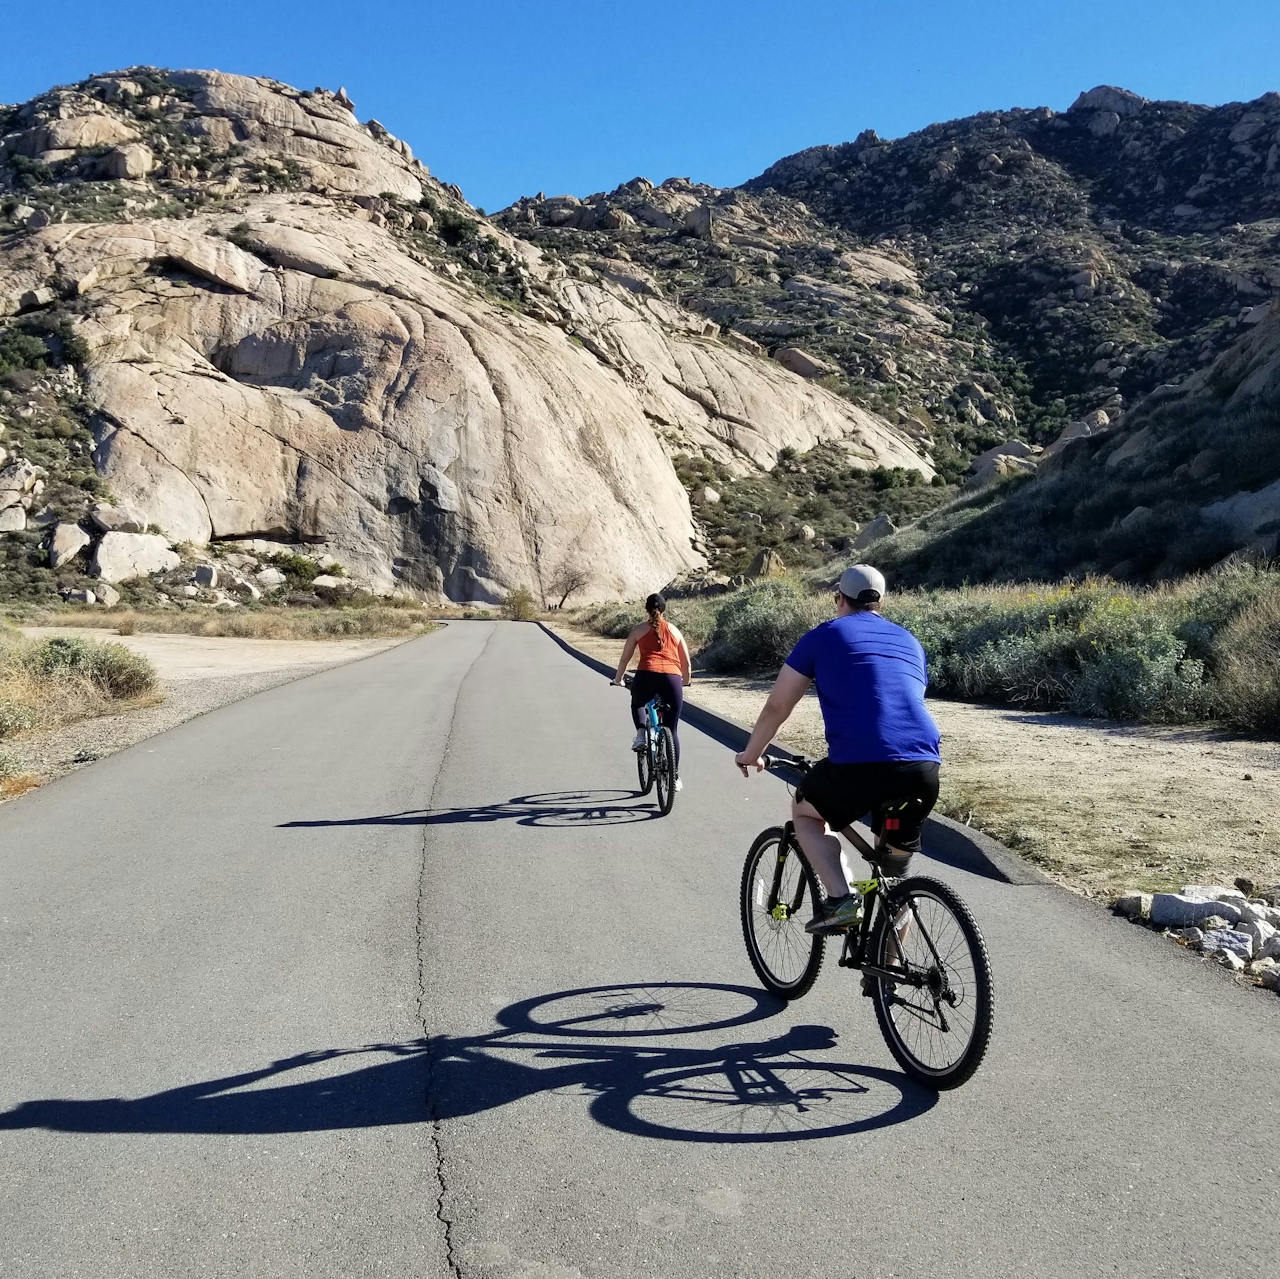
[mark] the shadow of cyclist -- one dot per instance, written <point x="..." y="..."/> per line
<point x="555" y="808"/>
<point x="775" y="1089"/>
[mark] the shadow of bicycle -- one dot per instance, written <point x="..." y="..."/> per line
<point x="562" y="809"/>
<point x="612" y="1044"/>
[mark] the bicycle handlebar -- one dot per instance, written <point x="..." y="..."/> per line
<point x="801" y="763"/>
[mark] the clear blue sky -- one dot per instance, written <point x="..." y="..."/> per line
<point x="508" y="97"/>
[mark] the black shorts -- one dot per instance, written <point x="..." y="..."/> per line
<point x="844" y="793"/>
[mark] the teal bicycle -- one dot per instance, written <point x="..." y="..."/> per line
<point x="656" y="757"/>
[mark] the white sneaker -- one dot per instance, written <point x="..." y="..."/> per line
<point x="679" y="784"/>
<point x="638" y="744"/>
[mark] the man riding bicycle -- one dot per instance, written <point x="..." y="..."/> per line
<point x="883" y="746"/>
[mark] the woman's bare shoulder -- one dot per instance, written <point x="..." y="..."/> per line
<point x="638" y="631"/>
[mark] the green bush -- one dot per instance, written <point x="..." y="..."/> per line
<point x="15" y="718"/>
<point x="10" y="765"/>
<point x="118" y="671"/>
<point x="1249" y="668"/>
<point x="757" y="627"/>
<point x="519" y="605"/>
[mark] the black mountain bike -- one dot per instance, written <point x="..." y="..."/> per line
<point x="923" y="960"/>
<point x="656" y="759"/>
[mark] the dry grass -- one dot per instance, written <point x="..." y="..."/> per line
<point x="47" y="683"/>
<point x="265" y="623"/>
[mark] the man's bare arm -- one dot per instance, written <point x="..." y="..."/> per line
<point x="787" y="691"/>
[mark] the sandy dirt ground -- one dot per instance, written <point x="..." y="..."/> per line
<point x="1101" y="807"/>
<point x="184" y="657"/>
<point x="198" y="673"/>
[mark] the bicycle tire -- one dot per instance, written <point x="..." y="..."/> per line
<point x="771" y="940"/>
<point x="968" y="1007"/>
<point x="664" y="770"/>
<point x="644" y="766"/>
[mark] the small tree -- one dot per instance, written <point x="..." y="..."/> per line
<point x="571" y="576"/>
<point x="520" y="606"/>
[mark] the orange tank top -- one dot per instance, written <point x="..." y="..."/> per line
<point x="658" y="650"/>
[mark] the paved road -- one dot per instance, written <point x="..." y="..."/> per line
<point x="388" y="972"/>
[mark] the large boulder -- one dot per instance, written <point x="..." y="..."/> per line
<point x="767" y="563"/>
<point x="121" y="557"/>
<point x="66" y="542"/>
<point x="801" y="362"/>
<point x="130" y="161"/>
<point x="120" y="518"/>
<point x="881" y="526"/>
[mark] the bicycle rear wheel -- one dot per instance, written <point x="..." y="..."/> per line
<point x="786" y="958"/>
<point x="644" y="766"/>
<point x="938" y="1030"/>
<point x="664" y="770"/>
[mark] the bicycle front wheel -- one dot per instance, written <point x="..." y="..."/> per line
<point x="644" y="766"/>
<point x="778" y="889"/>
<point x="664" y="770"/>
<point x="938" y="1024"/>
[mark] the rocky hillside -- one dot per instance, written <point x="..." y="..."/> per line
<point x="241" y="313"/>
<point x="1105" y="251"/>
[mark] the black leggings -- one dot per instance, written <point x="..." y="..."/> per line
<point x="669" y="690"/>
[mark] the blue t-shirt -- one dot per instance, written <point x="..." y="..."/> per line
<point x="870" y="677"/>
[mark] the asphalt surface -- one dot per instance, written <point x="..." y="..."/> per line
<point x="390" y="972"/>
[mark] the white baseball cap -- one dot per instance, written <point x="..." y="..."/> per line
<point x="862" y="584"/>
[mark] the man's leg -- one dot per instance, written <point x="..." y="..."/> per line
<point x="820" y="847"/>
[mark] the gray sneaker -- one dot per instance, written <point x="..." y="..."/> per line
<point x="835" y="914"/>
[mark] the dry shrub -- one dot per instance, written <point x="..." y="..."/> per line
<point x="12" y="787"/>
<point x="1249" y="668"/>
<point x="59" y="680"/>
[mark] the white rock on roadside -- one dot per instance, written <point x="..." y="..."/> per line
<point x="120" y="557"/>
<point x="108" y="595"/>
<point x="1178" y="910"/>
<point x="67" y="542"/>
<point x="1228" y="941"/>
<point x="1261" y="933"/>
<point x="1229" y="959"/>
<point x="80" y="597"/>
<point x="327" y="579"/>
<point x="270" y="579"/>
<point x="13" y="519"/>
<point x="1133" y="905"/>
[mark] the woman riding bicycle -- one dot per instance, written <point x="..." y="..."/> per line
<point x="663" y="671"/>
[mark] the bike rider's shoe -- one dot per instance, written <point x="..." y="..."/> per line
<point x="679" y="784"/>
<point x="638" y="744"/>
<point x="835" y="914"/>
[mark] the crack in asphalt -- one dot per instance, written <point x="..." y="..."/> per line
<point x="437" y="1149"/>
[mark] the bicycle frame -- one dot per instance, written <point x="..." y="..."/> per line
<point x="856" y="940"/>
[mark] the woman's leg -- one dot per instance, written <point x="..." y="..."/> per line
<point x="642" y="689"/>
<point x="673" y="698"/>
